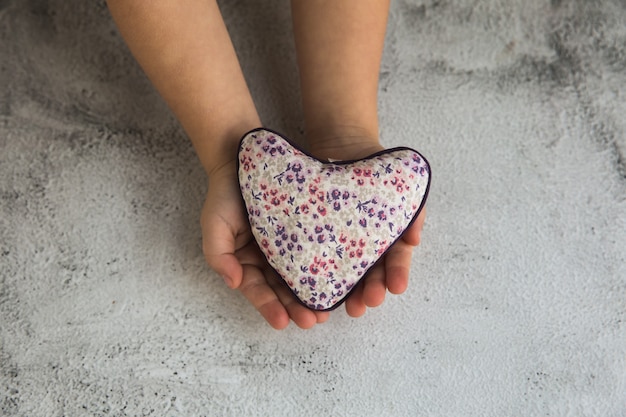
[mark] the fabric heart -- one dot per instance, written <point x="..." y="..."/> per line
<point x="323" y="225"/>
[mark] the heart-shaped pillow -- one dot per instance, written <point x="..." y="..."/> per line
<point x="323" y="225"/>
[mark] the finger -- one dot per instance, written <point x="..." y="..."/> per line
<point x="301" y="315"/>
<point x="322" y="316"/>
<point x="412" y="234"/>
<point x="375" y="286"/>
<point x="255" y="288"/>
<point x="397" y="266"/>
<point x="355" y="307"/>
<point x="218" y="246"/>
<point x="250" y="255"/>
<point x="227" y="266"/>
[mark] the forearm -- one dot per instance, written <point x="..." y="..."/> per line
<point x="339" y="45"/>
<point x="185" y="50"/>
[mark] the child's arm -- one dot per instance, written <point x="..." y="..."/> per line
<point x="184" y="48"/>
<point x="186" y="52"/>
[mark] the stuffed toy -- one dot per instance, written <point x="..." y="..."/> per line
<point x="322" y="225"/>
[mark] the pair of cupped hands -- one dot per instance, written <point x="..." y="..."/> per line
<point x="230" y="250"/>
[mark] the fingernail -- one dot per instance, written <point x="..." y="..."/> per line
<point x="228" y="281"/>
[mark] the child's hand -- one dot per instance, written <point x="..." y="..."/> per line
<point x="230" y="250"/>
<point x="390" y="273"/>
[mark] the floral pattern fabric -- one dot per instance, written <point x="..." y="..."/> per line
<point x="323" y="225"/>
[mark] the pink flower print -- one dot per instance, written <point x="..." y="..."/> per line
<point x="359" y="252"/>
<point x="362" y="243"/>
<point x="360" y="181"/>
<point x="321" y="210"/>
<point x="367" y="172"/>
<point x="275" y="201"/>
<point x="382" y="247"/>
<point x="357" y="171"/>
<point x="304" y="208"/>
<point x="314" y="269"/>
<point x="313" y="189"/>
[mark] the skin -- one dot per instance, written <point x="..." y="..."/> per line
<point x="185" y="50"/>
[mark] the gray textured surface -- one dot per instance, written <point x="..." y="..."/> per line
<point x="517" y="302"/>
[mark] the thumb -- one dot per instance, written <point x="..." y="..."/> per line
<point x="218" y="245"/>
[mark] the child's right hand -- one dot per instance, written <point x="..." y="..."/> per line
<point x="230" y="249"/>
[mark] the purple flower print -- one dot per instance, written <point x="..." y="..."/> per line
<point x="296" y="167"/>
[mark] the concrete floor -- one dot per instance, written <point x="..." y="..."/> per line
<point x="517" y="300"/>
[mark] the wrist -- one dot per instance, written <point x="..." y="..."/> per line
<point x="218" y="150"/>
